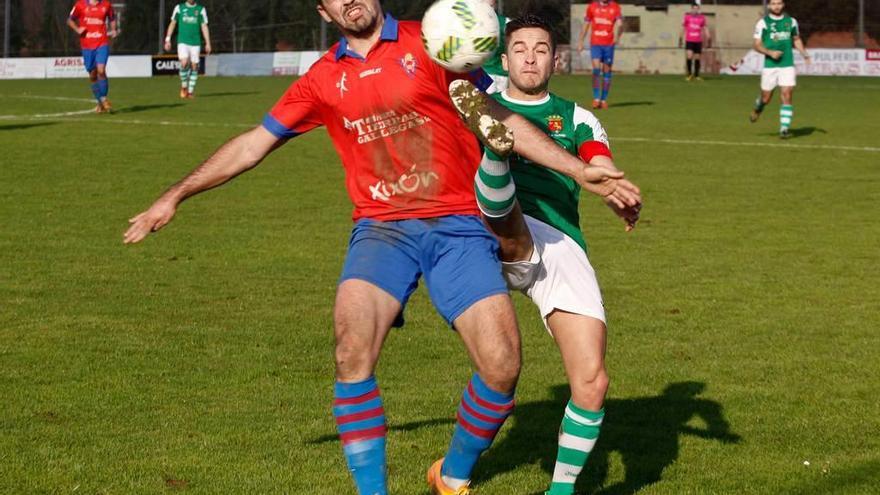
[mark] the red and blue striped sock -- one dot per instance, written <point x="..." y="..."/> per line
<point x="360" y="419"/>
<point x="104" y="87"/>
<point x="597" y="83"/>
<point x="480" y="416"/>
<point x="606" y="86"/>
<point x="96" y="90"/>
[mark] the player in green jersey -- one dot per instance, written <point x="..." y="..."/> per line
<point x="775" y="35"/>
<point x="557" y="275"/>
<point x="193" y="21"/>
<point x="494" y="67"/>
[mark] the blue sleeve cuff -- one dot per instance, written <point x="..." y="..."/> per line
<point x="277" y="129"/>
<point x="481" y="79"/>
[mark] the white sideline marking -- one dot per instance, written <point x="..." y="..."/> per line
<point x="870" y="149"/>
<point x="110" y="120"/>
<point x="44" y="116"/>
<point x="55" y="98"/>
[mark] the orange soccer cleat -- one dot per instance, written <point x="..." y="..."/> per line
<point x="438" y="487"/>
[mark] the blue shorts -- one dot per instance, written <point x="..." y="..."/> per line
<point x="93" y="58"/>
<point x="456" y="254"/>
<point x="603" y="53"/>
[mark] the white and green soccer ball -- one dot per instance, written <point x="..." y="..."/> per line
<point x="460" y="35"/>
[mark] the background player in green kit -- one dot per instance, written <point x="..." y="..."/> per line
<point x="564" y="285"/>
<point x="193" y="21"/>
<point x="494" y="67"/>
<point x="775" y="34"/>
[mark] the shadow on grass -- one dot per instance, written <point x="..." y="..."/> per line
<point x="797" y="132"/>
<point x="644" y="431"/>
<point x="630" y="104"/>
<point x="146" y="108"/>
<point x="18" y="127"/>
<point x="227" y="93"/>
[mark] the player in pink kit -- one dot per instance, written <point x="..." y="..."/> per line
<point x="695" y="34"/>
<point x="409" y="167"/>
<point x="88" y="18"/>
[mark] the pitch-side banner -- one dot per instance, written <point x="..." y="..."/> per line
<point x="293" y="63"/>
<point x="826" y="62"/>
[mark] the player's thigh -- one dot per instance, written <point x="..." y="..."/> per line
<point x="582" y="340"/>
<point x="89" y="60"/>
<point x="489" y="331"/>
<point x="183" y="54"/>
<point x="787" y="79"/>
<point x="195" y="54"/>
<point x="769" y="79"/>
<point x="384" y="255"/>
<point x="459" y="259"/>
<point x="102" y="56"/>
<point x="689" y="54"/>
<point x="363" y="314"/>
<point x="566" y="280"/>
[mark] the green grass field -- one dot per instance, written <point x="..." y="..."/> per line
<point x="744" y="311"/>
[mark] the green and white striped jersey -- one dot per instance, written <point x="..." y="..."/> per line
<point x="543" y="193"/>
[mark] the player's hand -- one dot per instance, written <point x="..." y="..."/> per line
<point x="610" y="185"/>
<point x="151" y="220"/>
<point x="630" y="214"/>
<point x="208" y="49"/>
<point x="808" y="59"/>
<point x="112" y="33"/>
<point x="80" y="30"/>
<point x="167" y="46"/>
<point x="580" y="46"/>
<point x="775" y="54"/>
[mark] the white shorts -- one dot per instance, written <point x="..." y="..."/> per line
<point x="189" y="52"/>
<point x="501" y="84"/>
<point x="566" y="281"/>
<point x="778" y="76"/>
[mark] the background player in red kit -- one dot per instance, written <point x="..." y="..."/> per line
<point x="604" y="18"/>
<point x="409" y="166"/>
<point x="89" y="19"/>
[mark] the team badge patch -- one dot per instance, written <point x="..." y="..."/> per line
<point x="409" y="64"/>
<point x="555" y="123"/>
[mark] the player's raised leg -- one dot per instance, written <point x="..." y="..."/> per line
<point x="581" y="341"/>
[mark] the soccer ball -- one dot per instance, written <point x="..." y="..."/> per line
<point x="460" y="35"/>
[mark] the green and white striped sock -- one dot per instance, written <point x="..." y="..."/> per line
<point x="184" y="76"/>
<point x="578" y="435"/>
<point x="496" y="193"/>
<point x="193" y="79"/>
<point x="786" y="113"/>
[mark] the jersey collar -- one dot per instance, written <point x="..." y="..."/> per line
<point x="389" y="33"/>
<point x="527" y="103"/>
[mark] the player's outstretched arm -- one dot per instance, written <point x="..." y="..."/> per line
<point x="536" y="146"/>
<point x="171" y="26"/>
<point x="238" y="155"/>
<point x="799" y="44"/>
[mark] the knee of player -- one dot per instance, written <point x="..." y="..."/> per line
<point x="590" y="384"/>
<point x="500" y="371"/>
<point x="354" y="359"/>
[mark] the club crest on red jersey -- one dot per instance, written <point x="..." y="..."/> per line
<point x="409" y="64"/>
<point x="555" y="123"/>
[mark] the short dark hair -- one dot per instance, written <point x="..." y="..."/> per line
<point x="530" y="21"/>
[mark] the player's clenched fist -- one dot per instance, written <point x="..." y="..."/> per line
<point x="151" y="220"/>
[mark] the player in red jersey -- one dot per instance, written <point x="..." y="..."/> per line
<point x="409" y="163"/>
<point x="89" y="18"/>
<point x="604" y="19"/>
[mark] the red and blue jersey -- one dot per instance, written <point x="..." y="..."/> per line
<point x="602" y="16"/>
<point x="94" y="18"/>
<point x="405" y="151"/>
